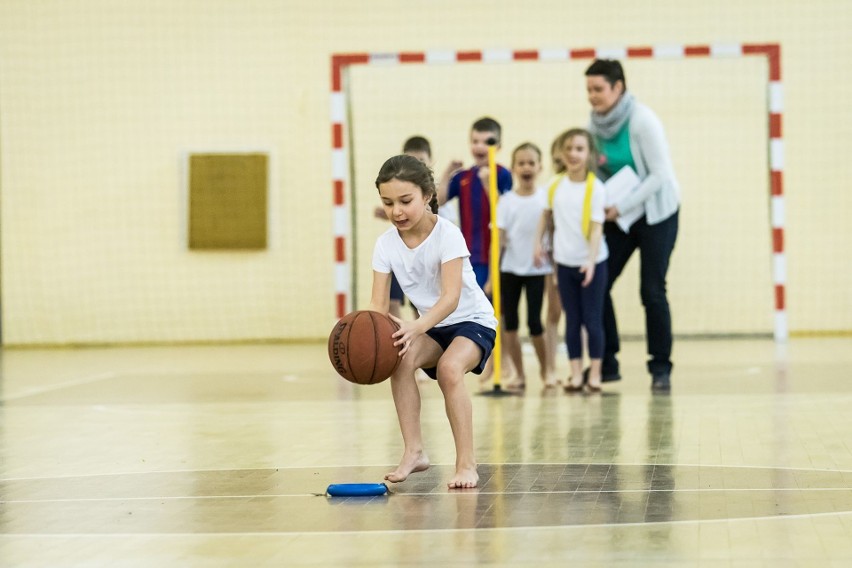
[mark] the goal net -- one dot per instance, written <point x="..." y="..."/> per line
<point x="714" y="111"/>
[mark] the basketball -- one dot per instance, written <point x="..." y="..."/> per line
<point x="360" y="347"/>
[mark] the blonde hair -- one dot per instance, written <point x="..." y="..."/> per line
<point x="555" y="148"/>
<point x="592" y="162"/>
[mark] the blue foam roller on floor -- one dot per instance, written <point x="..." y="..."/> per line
<point x="356" y="489"/>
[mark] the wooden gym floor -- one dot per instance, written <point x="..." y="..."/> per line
<point x="214" y="456"/>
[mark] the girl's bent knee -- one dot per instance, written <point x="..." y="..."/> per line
<point x="450" y="372"/>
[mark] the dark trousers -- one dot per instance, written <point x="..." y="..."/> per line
<point x="511" y="286"/>
<point x="583" y="308"/>
<point x="655" y="244"/>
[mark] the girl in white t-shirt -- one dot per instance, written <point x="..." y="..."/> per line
<point x="518" y="215"/>
<point x="576" y="213"/>
<point x="456" y="329"/>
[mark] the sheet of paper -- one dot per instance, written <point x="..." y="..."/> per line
<point x="623" y="182"/>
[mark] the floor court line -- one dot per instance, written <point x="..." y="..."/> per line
<point x="796" y="516"/>
<point x="59" y="386"/>
<point x="447" y="493"/>
<point x="447" y="464"/>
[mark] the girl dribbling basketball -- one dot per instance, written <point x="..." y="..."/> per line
<point x="456" y="329"/>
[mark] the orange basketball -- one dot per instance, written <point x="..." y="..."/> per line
<point x="360" y="347"/>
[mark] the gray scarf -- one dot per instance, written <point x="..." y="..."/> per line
<point x="607" y="125"/>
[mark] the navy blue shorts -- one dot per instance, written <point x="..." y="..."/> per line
<point x="483" y="336"/>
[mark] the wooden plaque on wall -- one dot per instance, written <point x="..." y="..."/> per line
<point x="228" y="201"/>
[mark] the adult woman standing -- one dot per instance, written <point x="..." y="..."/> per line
<point x="630" y="134"/>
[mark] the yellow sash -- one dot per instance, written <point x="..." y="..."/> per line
<point x="586" y="223"/>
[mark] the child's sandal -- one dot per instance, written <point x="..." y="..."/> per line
<point x="572" y="387"/>
<point x="594" y="388"/>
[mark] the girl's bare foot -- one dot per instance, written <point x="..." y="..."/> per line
<point x="465" y="478"/>
<point x="411" y="463"/>
<point x="550" y="380"/>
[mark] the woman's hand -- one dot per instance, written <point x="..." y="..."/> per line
<point x="406" y="334"/>
<point x="611" y="213"/>
<point x="588" y="270"/>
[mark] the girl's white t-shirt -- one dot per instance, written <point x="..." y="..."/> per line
<point x="519" y="216"/>
<point x="570" y="247"/>
<point x="418" y="272"/>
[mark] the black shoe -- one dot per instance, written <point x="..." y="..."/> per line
<point x="661" y="382"/>
<point x="606" y="376"/>
<point x="610" y="377"/>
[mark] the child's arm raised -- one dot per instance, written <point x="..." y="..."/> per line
<point x="444" y="182"/>
<point x="380" y="300"/>
<point x="451" y="285"/>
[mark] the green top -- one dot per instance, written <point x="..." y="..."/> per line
<point x="616" y="152"/>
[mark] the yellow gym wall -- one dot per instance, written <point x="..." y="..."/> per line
<point x="101" y="101"/>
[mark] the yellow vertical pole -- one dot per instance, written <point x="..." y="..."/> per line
<point x="494" y="269"/>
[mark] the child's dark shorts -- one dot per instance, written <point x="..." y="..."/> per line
<point x="483" y="336"/>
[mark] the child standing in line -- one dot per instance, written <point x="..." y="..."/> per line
<point x="456" y="329"/>
<point x="518" y="215"/>
<point x="576" y="212"/>
<point x="471" y="187"/>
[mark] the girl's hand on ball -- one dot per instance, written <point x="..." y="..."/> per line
<point x="408" y="332"/>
